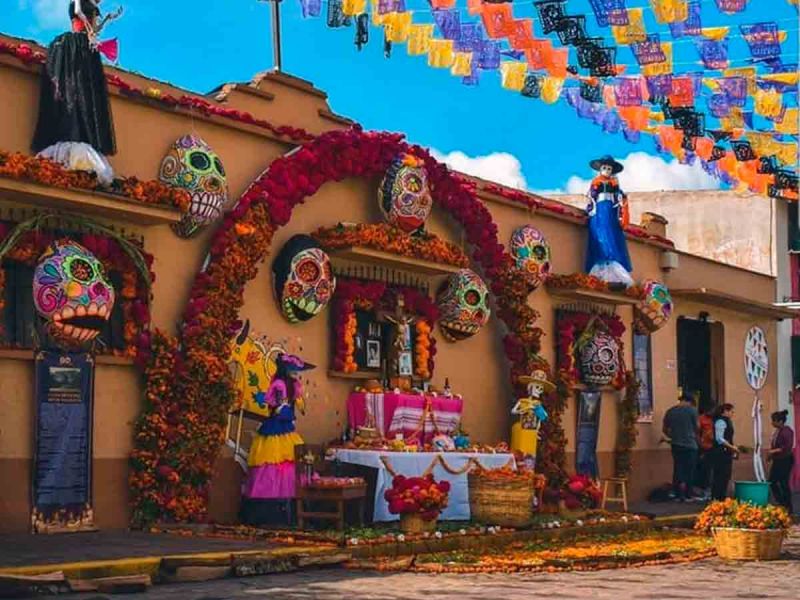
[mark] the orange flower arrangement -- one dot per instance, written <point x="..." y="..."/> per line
<point x="423" y="349"/>
<point x="576" y="281"/>
<point x="385" y="237"/>
<point x="742" y="515"/>
<point x="350" y="365"/>
<point x="41" y="170"/>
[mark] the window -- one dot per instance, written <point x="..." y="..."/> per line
<point x="20" y="319"/>
<point x="643" y="369"/>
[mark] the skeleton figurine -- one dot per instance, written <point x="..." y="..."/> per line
<point x="525" y="432"/>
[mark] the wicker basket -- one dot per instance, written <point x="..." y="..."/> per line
<point x="748" y="544"/>
<point x="505" y="502"/>
<point x="414" y="523"/>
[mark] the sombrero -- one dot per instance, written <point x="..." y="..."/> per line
<point x="539" y="377"/>
<point x="606" y="160"/>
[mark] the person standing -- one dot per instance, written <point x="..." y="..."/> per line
<point x="782" y="458"/>
<point x="706" y="445"/>
<point x="724" y="451"/>
<point x="680" y="426"/>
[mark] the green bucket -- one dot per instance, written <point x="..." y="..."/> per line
<point x="755" y="492"/>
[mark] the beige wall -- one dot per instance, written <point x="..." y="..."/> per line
<point x="476" y="367"/>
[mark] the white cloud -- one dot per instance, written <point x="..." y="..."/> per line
<point x="48" y="14"/>
<point x="647" y="173"/>
<point x="500" y="167"/>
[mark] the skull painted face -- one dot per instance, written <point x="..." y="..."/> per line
<point x="654" y="309"/>
<point x="404" y="196"/>
<point x="463" y="305"/>
<point x="531" y="253"/>
<point x="599" y="359"/>
<point x="71" y="292"/>
<point x="191" y="164"/>
<point x="304" y="280"/>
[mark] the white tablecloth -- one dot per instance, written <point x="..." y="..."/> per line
<point x="414" y="464"/>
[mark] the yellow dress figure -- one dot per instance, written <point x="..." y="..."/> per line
<point x="525" y="432"/>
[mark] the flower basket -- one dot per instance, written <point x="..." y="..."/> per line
<point x="505" y="501"/>
<point x="748" y="544"/>
<point x="414" y="523"/>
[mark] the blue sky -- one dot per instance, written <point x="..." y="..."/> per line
<point x="201" y="43"/>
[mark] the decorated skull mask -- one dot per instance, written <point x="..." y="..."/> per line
<point x="599" y="359"/>
<point x="531" y="253"/>
<point x="303" y="279"/>
<point x="71" y="292"/>
<point x="191" y="164"/>
<point x="463" y="305"/>
<point x="655" y="307"/>
<point x="404" y="196"/>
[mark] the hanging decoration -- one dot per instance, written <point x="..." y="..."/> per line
<point x="303" y="279"/>
<point x="654" y="308"/>
<point x="490" y="37"/>
<point x="575" y="330"/>
<point x="403" y="194"/>
<point x="599" y="358"/>
<point x="463" y="302"/>
<point x="191" y="164"/>
<point x="756" y="364"/>
<point x="71" y="292"/>
<point x="532" y="254"/>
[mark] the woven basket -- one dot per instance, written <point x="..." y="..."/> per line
<point x="414" y="523"/>
<point x="504" y="502"/>
<point x="748" y="544"/>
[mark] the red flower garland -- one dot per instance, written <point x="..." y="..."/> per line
<point x="134" y="293"/>
<point x="29" y="55"/>
<point x="200" y="380"/>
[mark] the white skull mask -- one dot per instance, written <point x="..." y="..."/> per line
<point x="192" y="164"/>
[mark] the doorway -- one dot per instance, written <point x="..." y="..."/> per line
<point x="701" y="360"/>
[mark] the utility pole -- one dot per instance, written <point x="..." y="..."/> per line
<point x="276" y="33"/>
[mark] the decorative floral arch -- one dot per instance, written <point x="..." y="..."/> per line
<point x="188" y="387"/>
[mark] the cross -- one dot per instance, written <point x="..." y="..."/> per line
<point x="276" y="32"/>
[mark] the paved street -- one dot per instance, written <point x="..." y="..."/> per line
<point x="708" y="580"/>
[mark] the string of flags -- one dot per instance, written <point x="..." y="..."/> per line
<point x="735" y="114"/>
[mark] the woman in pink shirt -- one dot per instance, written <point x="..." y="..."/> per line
<point x="780" y="453"/>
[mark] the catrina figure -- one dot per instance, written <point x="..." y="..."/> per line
<point x="271" y="462"/>
<point x="303" y="278"/>
<point x="607" y="252"/>
<point x="531" y="412"/>
<point x="75" y="126"/>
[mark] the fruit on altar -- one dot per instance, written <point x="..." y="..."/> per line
<point x="443" y="443"/>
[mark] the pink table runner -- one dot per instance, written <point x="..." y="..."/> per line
<point x="402" y="413"/>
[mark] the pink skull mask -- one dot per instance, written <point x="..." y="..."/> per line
<point x="71" y="292"/>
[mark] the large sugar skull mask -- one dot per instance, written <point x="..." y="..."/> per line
<point x="463" y="305"/>
<point x="303" y="279"/>
<point x="404" y="196"/>
<point x="654" y="308"/>
<point x="599" y="359"/>
<point x="192" y="164"/>
<point x="71" y="292"/>
<point x="531" y="253"/>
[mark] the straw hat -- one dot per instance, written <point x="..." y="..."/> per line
<point x="540" y="377"/>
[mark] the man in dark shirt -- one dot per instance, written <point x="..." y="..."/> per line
<point x="680" y="426"/>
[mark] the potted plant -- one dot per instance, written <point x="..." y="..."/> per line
<point x="418" y="501"/>
<point x="744" y="531"/>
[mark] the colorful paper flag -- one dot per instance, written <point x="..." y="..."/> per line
<point x="634" y="31"/>
<point x="682" y="93"/>
<point x="731" y="6"/>
<point x="768" y="102"/>
<point x="789" y="124"/>
<point x="662" y="68"/>
<point x="462" y="64"/>
<point x="628" y="91"/>
<point x="762" y="38"/>
<point x="352" y="8"/>
<point x="498" y="20"/>
<point x="397" y="27"/>
<point x="551" y="89"/>
<point x="521" y="35"/>
<point x="670" y="11"/>
<point x="609" y="12"/>
<point x="693" y="24"/>
<point x="512" y="75"/>
<point x="714" y="54"/>
<point x="419" y="39"/>
<point x="441" y="55"/>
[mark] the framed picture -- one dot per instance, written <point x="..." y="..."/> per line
<point x="373" y="354"/>
<point x="588" y="432"/>
<point x="405" y="366"/>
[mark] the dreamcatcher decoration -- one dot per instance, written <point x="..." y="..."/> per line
<point x="756" y="368"/>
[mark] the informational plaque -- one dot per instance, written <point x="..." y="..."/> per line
<point x="62" y="473"/>
<point x="588" y="430"/>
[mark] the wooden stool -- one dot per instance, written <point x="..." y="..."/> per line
<point x="335" y="495"/>
<point x="619" y="484"/>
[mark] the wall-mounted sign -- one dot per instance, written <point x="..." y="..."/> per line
<point x="62" y="474"/>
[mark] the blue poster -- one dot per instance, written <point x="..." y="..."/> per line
<point x="588" y="431"/>
<point x="62" y="475"/>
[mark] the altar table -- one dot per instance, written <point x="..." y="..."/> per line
<point x="415" y="464"/>
<point x="402" y="413"/>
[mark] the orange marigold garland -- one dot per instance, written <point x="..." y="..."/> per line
<point x="385" y="237"/>
<point x="422" y="359"/>
<point x="41" y="170"/>
<point x="628" y="412"/>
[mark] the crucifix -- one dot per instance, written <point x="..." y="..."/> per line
<point x="400" y="357"/>
<point x="276" y="33"/>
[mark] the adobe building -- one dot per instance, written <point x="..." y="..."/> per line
<point x="247" y="125"/>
